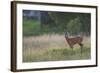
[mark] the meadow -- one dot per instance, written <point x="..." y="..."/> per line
<point x="53" y="48"/>
<point x="44" y="36"/>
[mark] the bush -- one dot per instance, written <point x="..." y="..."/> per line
<point x="31" y="27"/>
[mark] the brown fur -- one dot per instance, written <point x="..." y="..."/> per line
<point x="74" y="40"/>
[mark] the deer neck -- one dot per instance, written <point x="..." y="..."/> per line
<point x="66" y="37"/>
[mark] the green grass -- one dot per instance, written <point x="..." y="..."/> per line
<point x="56" y="54"/>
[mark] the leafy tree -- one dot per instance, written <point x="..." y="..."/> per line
<point x="74" y="26"/>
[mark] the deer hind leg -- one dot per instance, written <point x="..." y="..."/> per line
<point x="81" y="45"/>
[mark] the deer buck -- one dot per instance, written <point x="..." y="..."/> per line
<point x="74" y="40"/>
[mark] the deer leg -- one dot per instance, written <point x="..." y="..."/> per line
<point x="81" y="45"/>
<point x="72" y="49"/>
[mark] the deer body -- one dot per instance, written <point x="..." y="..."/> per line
<point x="74" y="40"/>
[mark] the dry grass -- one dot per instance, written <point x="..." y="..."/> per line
<point x="44" y="42"/>
<point x="49" y="41"/>
<point x="38" y="48"/>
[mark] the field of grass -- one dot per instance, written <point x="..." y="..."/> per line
<point x="53" y="48"/>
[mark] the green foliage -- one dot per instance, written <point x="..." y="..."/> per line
<point x="85" y="19"/>
<point x="60" y="22"/>
<point x="74" y="26"/>
<point x="61" y="19"/>
<point x="72" y="22"/>
<point x="31" y="27"/>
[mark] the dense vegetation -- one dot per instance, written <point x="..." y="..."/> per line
<point x="57" y="22"/>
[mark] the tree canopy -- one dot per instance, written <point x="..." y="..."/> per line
<point x="58" y="22"/>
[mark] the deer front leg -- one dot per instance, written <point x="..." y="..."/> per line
<point x="71" y="48"/>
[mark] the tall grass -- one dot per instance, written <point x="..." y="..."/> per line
<point x="53" y="48"/>
<point x="57" y="55"/>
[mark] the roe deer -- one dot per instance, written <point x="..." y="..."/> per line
<point x="74" y="40"/>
